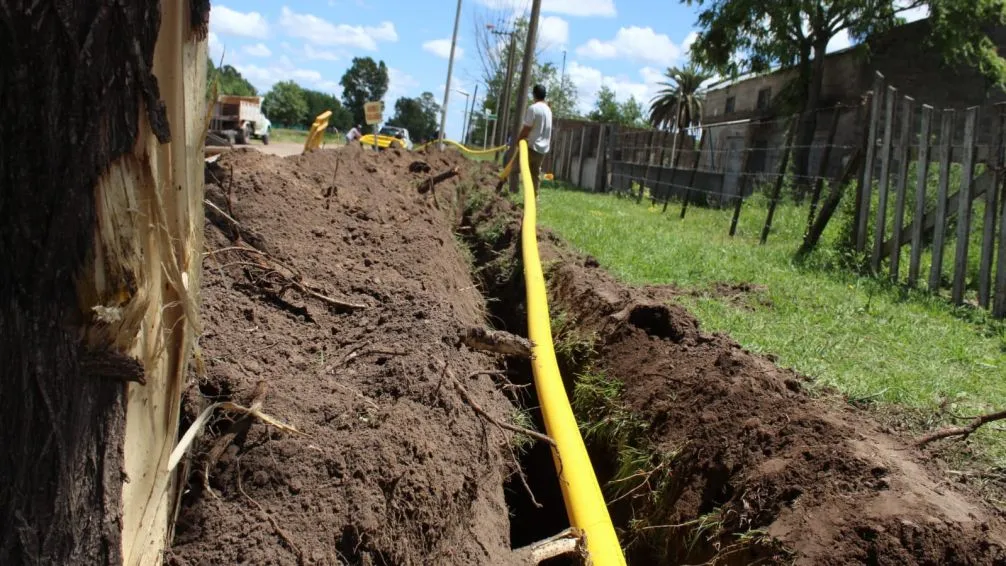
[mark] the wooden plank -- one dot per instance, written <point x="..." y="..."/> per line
<point x="583" y="151"/>
<point x="964" y="206"/>
<point x="865" y="195"/>
<point x="904" y="153"/>
<point x="742" y="185"/>
<point x="813" y="235"/>
<point x="940" y="220"/>
<point x="691" y="176"/>
<point x="880" y="224"/>
<point x="921" y="182"/>
<point x="599" y="166"/>
<point x="991" y="208"/>
<point x="648" y="155"/>
<point x="999" y="301"/>
<point x="822" y="167"/>
<point x="780" y="178"/>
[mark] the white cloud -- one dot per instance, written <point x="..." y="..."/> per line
<point x="400" y="84"/>
<point x="442" y="48"/>
<point x="839" y="41"/>
<point x="216" y="49"/>
<point x="553" y="31"/>
<point x="637" y="44"/>
<point x="319" y="54"/>
<point x="582" y="8"/>
<point x="322" y="32"/>
<point x="258" y="50"/>
<point x="589" y="80"/>
<point x="231" y="22"/>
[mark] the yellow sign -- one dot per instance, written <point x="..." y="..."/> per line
<point x="372" y="112"/>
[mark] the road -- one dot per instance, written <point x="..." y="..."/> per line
<point x="282" y="149"/>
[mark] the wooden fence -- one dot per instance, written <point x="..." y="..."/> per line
<point x="930" y="184"/>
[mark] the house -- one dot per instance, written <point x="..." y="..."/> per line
<point x="747" y="113"/>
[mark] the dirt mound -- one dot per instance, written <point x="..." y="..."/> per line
<point x="340" y="321"/>
<point x="714" y="455"/>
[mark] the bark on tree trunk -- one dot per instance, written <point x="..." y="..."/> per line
<point x="88" y="200"/>
<point x="808" y="123"/>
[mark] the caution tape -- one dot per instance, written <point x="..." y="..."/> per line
<point x="581" y="492"/>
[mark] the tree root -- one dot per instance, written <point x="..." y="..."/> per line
<point x="963" y="431"/>
<point x="567" y="542"/>
<point x="497" y="341"/>
<point x="482" y="413"/>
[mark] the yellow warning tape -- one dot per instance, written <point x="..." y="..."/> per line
<point x="585" y="504"/>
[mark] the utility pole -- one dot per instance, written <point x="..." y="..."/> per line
<point x="525" y="84"/>
<point x="450" y="69"/>
<point x="468" y="124"/>
<point x="503" y="104"/>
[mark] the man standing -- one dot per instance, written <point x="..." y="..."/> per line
<point x="538" y="133"/>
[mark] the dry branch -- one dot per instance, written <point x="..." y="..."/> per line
<point x="569" y="541"/>
<point x="962" y="431"/>
<point x="482" y="413"/>
<point x="427" y="185"/>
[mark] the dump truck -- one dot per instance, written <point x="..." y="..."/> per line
<point x="239" y="119"/>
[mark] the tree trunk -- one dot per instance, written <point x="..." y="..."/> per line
<point x="808" y="123"/>
<point x="100" y="245"/>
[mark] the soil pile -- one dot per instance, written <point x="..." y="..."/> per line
<point x="333" y="296"/>
<point x="714" y="455"/>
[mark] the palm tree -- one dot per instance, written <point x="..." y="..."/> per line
<point x="680" y="101"/>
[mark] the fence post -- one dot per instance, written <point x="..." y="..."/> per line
<point x="822" y="167"/>
<point x="922" y="181"/>
<point x="964" y="206"/>
<point x="865" y="195"/>
<point x="883" y="188"/>
<point x="742" y="184"/>
<point x="780" y="178"/>
<point x="599" y="162"/>
<point x="991" y="209"/>
<point x="583" y="145"/>
<point x="999" y="303"/>
<point x="940" y="224"/>
<point x="904" y="153"/>
<point x="691" y="176"/>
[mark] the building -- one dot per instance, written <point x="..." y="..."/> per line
<point x="747" y="113"/>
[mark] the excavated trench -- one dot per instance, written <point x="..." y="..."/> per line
<point x="708" y="454"/>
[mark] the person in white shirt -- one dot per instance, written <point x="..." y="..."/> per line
<point x="353" y="134"/>
<point x="538" y="133"/>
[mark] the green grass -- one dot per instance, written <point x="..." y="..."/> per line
<point x="858" y="334"/>
<point x="299" y="136"/>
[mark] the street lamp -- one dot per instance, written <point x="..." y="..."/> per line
<point x="464" y="115"/>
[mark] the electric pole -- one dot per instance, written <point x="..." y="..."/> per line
<point x="525" y="84"/>
<point x="468" y="122"/>
<point x="503" y="103"/>
<point x="450" y="69"/>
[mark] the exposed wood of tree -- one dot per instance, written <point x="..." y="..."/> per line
<point x="99" y="292"/>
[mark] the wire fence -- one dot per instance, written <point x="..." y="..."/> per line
<point x="928" y="184"/>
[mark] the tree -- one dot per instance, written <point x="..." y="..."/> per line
<point x="631" y="112"/>
<point x="418" y="115"/>
<point x="606" y="108"/>
<point x="679" y="103"/>
<point x="318" y="102"/>
<point x="229" y="80"/>
<point x="737" y="36"/>
<point x="101" y="274"/>
<point x="285" y="104"/>
<point x="364" y="81"/>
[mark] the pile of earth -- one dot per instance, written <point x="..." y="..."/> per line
<point x="334" y="292"/>
<point x="713" y="455"/>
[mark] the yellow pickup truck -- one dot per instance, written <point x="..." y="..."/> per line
<point x="389" y="137"/>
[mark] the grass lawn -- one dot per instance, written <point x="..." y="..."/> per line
<point x="300" y="136"/>
<point x="864" y="337"/>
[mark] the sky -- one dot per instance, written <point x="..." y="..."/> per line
<point x="624" y="44"/>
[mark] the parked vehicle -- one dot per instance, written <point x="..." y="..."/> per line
<point x="239" y="119"/>
<point x="389" y="137"/>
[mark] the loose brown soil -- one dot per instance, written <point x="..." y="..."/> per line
<point x="743" y="465"/>
<point x="392" y="467"/>
<point x="344" y="329"/>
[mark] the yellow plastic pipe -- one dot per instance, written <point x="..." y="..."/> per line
<point x="464" y="148"/>
<point x="585" y="504"/>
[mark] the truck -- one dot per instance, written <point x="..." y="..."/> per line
<point x="239" y="119"/>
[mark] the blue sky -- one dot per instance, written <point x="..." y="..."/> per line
<point x="625" y="44"/>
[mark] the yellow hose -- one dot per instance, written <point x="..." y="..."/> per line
<point x="585" y="504"/>
<point x="463" y="148"/>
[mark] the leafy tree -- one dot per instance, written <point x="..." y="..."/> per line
<point x="285" y="104"/>
<point x="229" y="81"/>
<point x="680" y="101"/>
<point x="737" y="36"/>
<point x="365" y="81"/>
<point x="606" y="108"/>
<point x="318" y="102"/>
<point x="631" y="112"/>
<point x="418" y="115"/>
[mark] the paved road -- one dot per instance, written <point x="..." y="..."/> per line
<point x="277" y="148"/>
